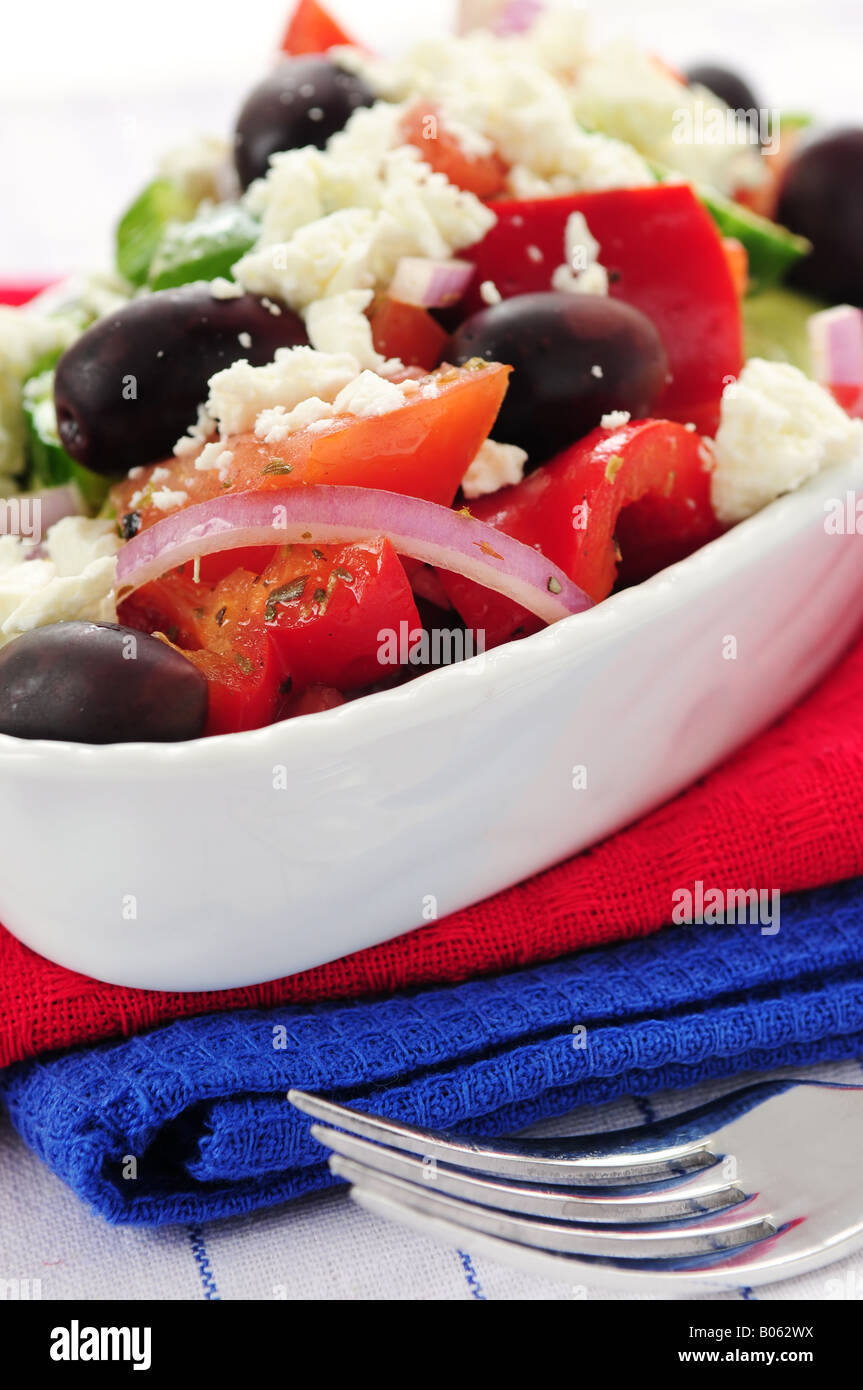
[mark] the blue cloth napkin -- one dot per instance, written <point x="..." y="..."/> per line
<point x="191" y="1121"/>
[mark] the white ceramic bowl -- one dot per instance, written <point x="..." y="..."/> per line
<point x="191" y="866"/>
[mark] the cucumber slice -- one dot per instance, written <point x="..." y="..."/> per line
<point x="48" y="462"/>
<point x="204" y="248"/>
<point x="774" y="325"/>
<point x="140" y="229"/>
<point x="772" y="249"/>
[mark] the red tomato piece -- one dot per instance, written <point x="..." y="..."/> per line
<point x="312" y="30"/>
<point x="422" y="449"/>
<point x="220" y="628"/>
<point x="664" y="256"/>
<point x="423" y="127"/>
<point x="329" y="611"/>
<point x="409" y="332"/>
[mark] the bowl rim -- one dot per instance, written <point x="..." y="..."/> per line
<point x="360" y="720"/>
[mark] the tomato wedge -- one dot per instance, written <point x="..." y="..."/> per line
<point x="423" y="127"/>
<point x="312" y="30"/>
<point x="422" y="449"/>
<point x="408" y="332"/>
<point x="220" y="628"/>
<point x="329" y="610"/>
<point x="664" y="255"/>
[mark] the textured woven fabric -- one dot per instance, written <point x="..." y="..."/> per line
<point x="784" y="813"/>
<point x="200" y="1106"/>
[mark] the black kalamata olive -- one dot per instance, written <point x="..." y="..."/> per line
<point x="821" y="197"/>
<point x="130" y="386"/>
<point x="302" y="102"/>
<point x="575" y="357"/>
<point x="99" y="683"/>
<point x="729" y="86"/>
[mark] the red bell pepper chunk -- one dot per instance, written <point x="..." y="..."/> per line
<point x="664" y="256"/>
<point x="646" y="486"/>
<point x="312" y="30"/>
<point x="329" y="611"/>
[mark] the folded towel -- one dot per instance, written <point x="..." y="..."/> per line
<point x="191" y="1121"/>
<point x="786" y="813"/>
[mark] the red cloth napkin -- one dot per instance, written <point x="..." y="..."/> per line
<point x="784" y="813"/>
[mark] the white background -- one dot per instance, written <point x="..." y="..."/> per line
<point x="90" y="92"/>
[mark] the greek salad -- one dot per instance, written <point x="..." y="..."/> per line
<point x="435" y="351"/>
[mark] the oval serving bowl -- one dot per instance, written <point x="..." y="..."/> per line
<point x="234" y="860"/>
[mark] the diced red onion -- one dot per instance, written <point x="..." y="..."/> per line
<point x="500" y="16"/>
<point x="317" y="514"/>
<point x="836" y="346"/>
<point x="430" y="284"/>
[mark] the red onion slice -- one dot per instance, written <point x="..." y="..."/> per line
<point x="836" y="346"/>
<point x="317" y="514"/>
<point x="430" y="284"/>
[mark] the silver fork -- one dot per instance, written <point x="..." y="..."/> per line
<point x="763" y="1183"/>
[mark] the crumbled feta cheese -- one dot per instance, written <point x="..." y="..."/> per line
<point x="240" y="392"/>
<point x="74" y="579"/>
<point x="622" y="89"/>
<point x="596" y="371"/>
<point x="166" y="498"/>
<point x="369" y="395"/>
<point x="331" y="225"/>
<point x="581" y="273"/>
<point x="777" y="428"/>
<point x="534" y="254"/>
<point x="339" y="324"/>
<point x="214" y="457"/>
<point x="489" y="293"/>
<point x="276" y="424"/>
<point x="196" y="435"/>
<point x="508" y="90"/>
<point x="220" y="288"/>
<point x="615" y="419"/>
<point x="245" y="340"/>
<point x="494" y="467"/>
<point x="75" y="542"/>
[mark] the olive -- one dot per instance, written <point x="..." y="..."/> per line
<point x="130" y="385"/>
<point x="303" y="101"/>
<point x="821" y="197"/>
<point x="723" y="83"/>
<point x="575" y="357"/>
<point x="99" y="683"/>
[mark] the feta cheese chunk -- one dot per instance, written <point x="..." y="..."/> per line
<point x="339" y="324"/>
<point x="369" y="395"/>
<point x="494" y="467"/>
<point x="581" y="273"/>
<point x="278" y="424"/>
<point x="777" y="428"/>
<point x="75" y="579"/>
<point x="240" y="392"/>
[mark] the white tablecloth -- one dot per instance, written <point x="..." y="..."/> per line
<point x="323" y="1247"/>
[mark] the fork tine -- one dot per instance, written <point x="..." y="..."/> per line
<point x="712" y="1235"/>
<point x="695" y="1196"/>
<point x="560" y="1162"/>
